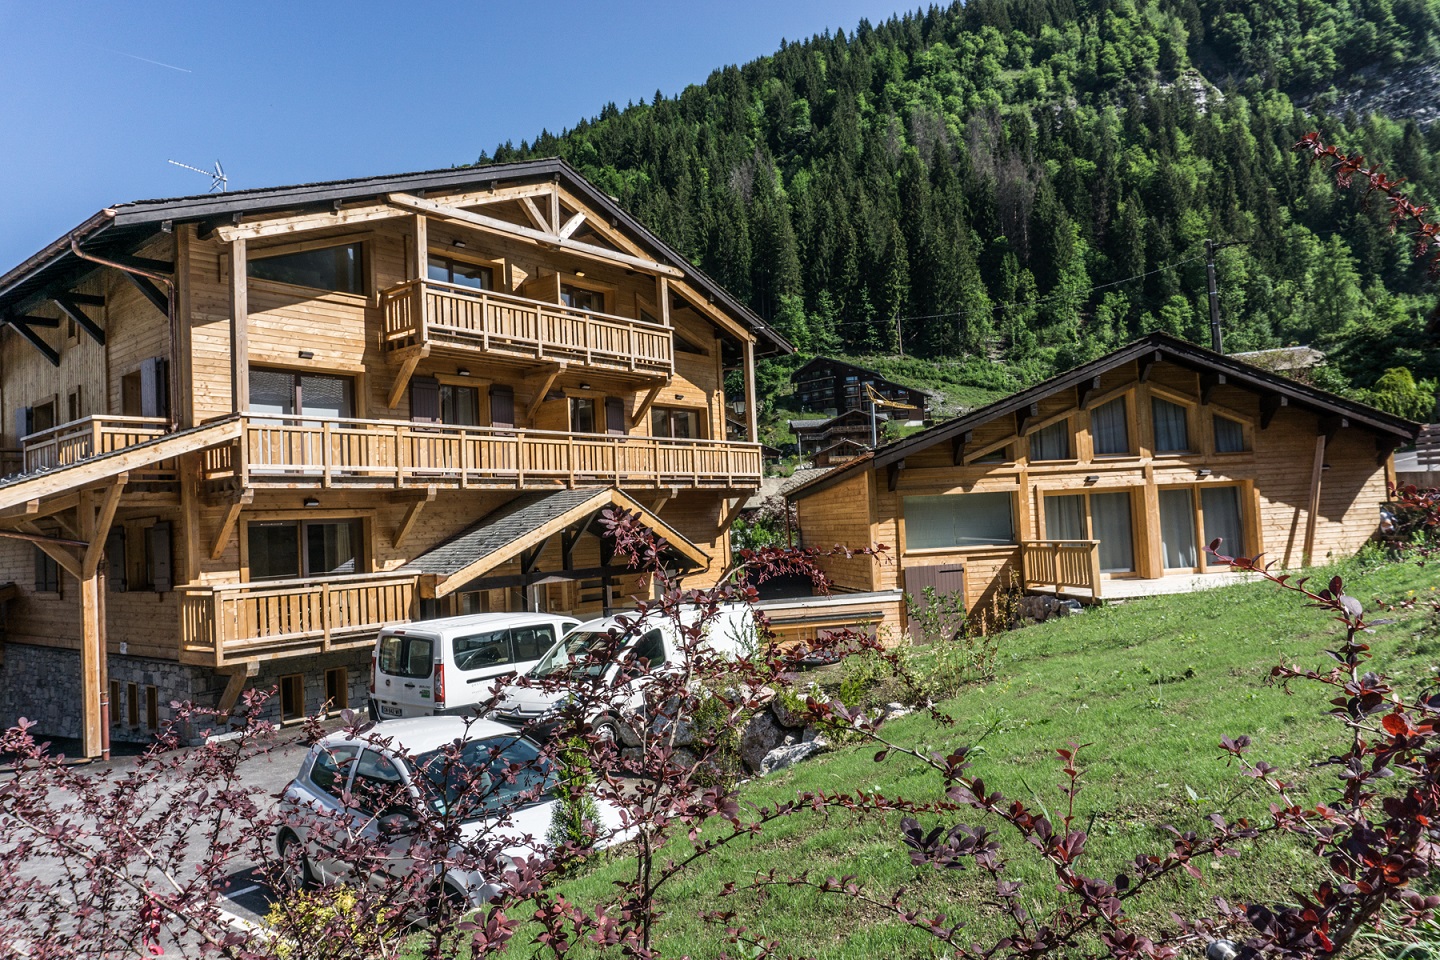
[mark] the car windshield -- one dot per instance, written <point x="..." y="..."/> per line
<point x="586" y="647"/>
<point x="495" y="772"/>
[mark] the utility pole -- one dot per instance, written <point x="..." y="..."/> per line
<point x="1215" y="339"/>
<point x="899" y="337"/>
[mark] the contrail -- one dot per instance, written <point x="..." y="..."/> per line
<point x="157" y="63"/>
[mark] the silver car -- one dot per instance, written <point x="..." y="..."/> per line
<point x="397" y="773"/>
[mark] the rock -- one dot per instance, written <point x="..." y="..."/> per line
<point x="787" y="712"/>
<point x="1042" y="608"/>
<point x="897" y="709"/>
<point x="628" y="736"/>
<point x="787" y="755"/>
<point x="761" y="735"/>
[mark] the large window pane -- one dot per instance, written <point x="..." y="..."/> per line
<point x="1110" y="429"/>
<point x="1177" y="529"/>
<point x="1221" y="506"/>
<point x="274" y="550"/>
<point x="459" y="405"/>
<point x="1110" y="524"/>
<point x="329" y="268"/>
<point x="1065" y="517"/>
<point x="582" y="415"/>
<point x="272" y="391"/>
<point x="322" y="395"/>
<point x="331" y="548"/>
<point x="958" y="520"/>
<point x="450" y="270"/>
<point x="1051" y="443"/>
<point x="1172" y="433"/>
<point x="1229" y="435"/>
<point x="582" y="299"/>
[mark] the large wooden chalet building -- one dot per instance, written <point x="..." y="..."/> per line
<point x="244" y="430"/>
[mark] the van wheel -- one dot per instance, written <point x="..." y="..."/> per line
<point x="296" y="874"/>
<point x="607" y="731"/>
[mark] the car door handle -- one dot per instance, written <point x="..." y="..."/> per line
<point x="409" y="686"/>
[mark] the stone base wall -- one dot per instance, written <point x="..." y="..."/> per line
<point x="42" y="684"/>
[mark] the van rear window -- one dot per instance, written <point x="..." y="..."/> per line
<point x="406" y="656"/>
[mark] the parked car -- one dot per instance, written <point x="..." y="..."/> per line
<point x="441" y="666"/>
<point x="573" y="662"/>
<point x="396" y="774"/>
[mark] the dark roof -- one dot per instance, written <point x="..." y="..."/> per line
<point x="1159" y="346"/>
<point x="501" y="528"/>
<point x="854" y="413"/>
<point x="850" y="366"/>
<point x="121" y="229"/>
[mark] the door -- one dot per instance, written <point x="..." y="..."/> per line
<point x="329" y="775"/>
<point x="1221" y="508"/>
<point x="1177" y="529"/>
<point x="946" y="580"/>
<point x="614" y="415"/>
<point x="404" y="682"/>
<point x="380" y="790"/>
<point x="1110" y="523"/>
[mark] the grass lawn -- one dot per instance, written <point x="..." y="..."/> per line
<point x="1152" y="684"/>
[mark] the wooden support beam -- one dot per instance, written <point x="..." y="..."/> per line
<point x="235" y="685"/>
<point x="239" y="327"/>
<point x="49" y="323"/>
<point x="407" y="524"/>
<point x="99" y="525"/>
<point x="752" y="412"/>
<point x="420" y="256"/>
<point x="555" y="208"/>
<point x="530" y="557"/>
<point x="1146" y="362"/>
<point x="1329" y="426"/>
<point x="1270" y="405"/>
<point x="533" y="212"/>
<point x="1208" y="383"/>
<point x="71" y="308"/>
<point x="648" y="402"/>
<point x="505" y="228"/>
<point x="569" y="538"/>
<point x="1385" y="446"/>
<point x="972" y="455"/>
<point x="892" y="475"/>
<point x="545" y="386"/>
<point x="957" y="447"/>
<point x="157" y="297"/>
<point x="570" y="226"/>
<point x="38" y="342"/>
<point x="1026" y="416"/>
<point x="84" y="299"/>
<point x="403" y="375"/>
<point x="1084" y="390"/>
<point x="1312" y="514"/>
<point x="147" y="264"/>
<point x="227" y="524"/>
<point x="37" y="508"/>
<point x="732" y="511"/>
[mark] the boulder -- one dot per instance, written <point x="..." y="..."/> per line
<point x="789" y="754"/>
<point x="761" y="735"/>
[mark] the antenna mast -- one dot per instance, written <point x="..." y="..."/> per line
<point x="217" y="176"/>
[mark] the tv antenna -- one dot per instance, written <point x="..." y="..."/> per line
<point x="217" y="176"/>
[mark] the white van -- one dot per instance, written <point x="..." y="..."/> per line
<point x="432" y="667"/>
<point x="731" y="633"/>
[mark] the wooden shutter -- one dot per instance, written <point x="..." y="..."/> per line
<point x="115" y="560"/>
<point x="502" y="407"/>
<point x="24" y="417"/>
<point x="425" y="400"/>
<point x="946" y="578"/>
<point x="614" y="415"/>
<point x="154" y="388"/>
<point x="161" y="561"/>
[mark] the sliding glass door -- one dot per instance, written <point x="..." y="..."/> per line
<point x="1107" y="519"/>
<point x="1177" y="529"/>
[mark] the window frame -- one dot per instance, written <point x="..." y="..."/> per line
<point x="495" y="268"/>
<point x="607" y="293"/>
<point x="1190" y="406"/>
<point x="1015" y="530"/>
<point x="1127" y="397"/>
<point x="669" y="412"/>
<point x="297" y="392"/>
<point x="256" y="254"/>
<point x="49" y="581"/>
<point x="362" y="542"/>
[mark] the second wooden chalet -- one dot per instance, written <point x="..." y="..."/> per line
<point x="245" y="430"/>
<point x="1115" y="474"/>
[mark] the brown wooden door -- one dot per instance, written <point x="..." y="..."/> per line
<point x="614" y="415"/>
<point x="502" y="407"/>
<point x="946" y="578"/>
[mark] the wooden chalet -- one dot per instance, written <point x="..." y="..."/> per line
<point x="1115" y="474"/>
<point x="827" y="385"/>
<point x="242" y="431"/>
<point x="812" y="436"/>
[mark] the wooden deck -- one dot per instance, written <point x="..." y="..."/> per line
<point x="232" y="623"/>
<point x="1071" y="569"/>
<point x="428" y="313"/>
<point x="397" y="454"/>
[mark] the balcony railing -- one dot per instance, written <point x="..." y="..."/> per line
<point x="223" y="624"/>
<point x="1058" y="564"/>
<point x="90" y="437"/>
<point x="334" y="452"/>
<point x="420" y="312"/>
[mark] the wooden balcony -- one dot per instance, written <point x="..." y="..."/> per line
<point x="1059" y="565"/>
<point x="223" y="624"/>
<point x="92" y="437"/>
<point x="388" y="453"/>
<point x="430" y="313"/>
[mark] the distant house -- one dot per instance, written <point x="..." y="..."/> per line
<point x="814" y="435"/>
<point x="839" y="452"/>
<point x="832" y="386"/>
<point x="1122" y="469"/>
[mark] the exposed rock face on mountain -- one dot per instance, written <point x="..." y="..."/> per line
<point x="1407" y="93"/>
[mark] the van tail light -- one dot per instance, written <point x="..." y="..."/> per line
<point x="439" y="686"/>
<point x="374" y="668"/>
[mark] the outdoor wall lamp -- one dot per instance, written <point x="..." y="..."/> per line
<point x="458" y="243"/>
<point x="312" y="502"/>
<point x="462" y="372"/>
<point x="1092" y="478"/>
<point x="1203" y="472"/>
<point x="307" y="354"/>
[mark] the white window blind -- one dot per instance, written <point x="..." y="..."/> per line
<point x="958" y="520"/>
<point x="1109" y="428"/>
<point x="1172" y="434"/>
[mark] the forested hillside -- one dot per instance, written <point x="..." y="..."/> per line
<point x="1032" y="181"/>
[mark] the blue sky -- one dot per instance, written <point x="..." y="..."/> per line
<point x="97" y="96"/>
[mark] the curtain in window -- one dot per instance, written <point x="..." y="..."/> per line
<point x="330" y="548"/>
<point x="1229" y="435"/>
<point x="1051" y="443"/>
<point x="1177" y="529"/>
<point x="1065" y="517"/>
<point x="1110" y="521"/>
<point x="1172" y="434"/>
<point x="958" y="520"/>
<point x="1109" y="428"/>
<point x="1221" y="506"/>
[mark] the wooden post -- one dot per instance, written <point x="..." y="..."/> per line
<point x="752" y="422"/>
<point x="239" y="323"/>
<point x="1312" y="514"/>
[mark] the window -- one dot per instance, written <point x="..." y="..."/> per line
<point x="1094" y="516"/>
<point x="292" y="697"/>
<point x="530" y="643"/>
<point x="378" y="787"/>
<point x="959" y="520"/>
<point x="152" y="708"/>
<point x="132" y="704"/>
<point x="1177" y="529"/>
<point x="288" y="549"/>
<point x="47" y="573"/>
<point x="1110" y="428"/>
<point x="1221" y="507"/>
<point x="580" y="298"/>
<point x="115" y="578"/>
<point x="1052" y="442"/>
<point x="673" y="422"/>
<point x="1065" y="518"/>
<point x="331" y="768"/>
<point x="406" y="656"/>
<point x="460" y="273"/>
<point x="72" y="405"/>
<point x="338" y="268"/>
<point x="114" y="703"/>
<point x="158" y="560"/>
<point x="146" y="392"/>
<point x="42" y="416"/>
<point x="650" y="648"/>
<point x="288" y="393"/>
<point x="337" y="688"/>
<point x="1172" y="433"/>
<point x="582" y="415"/>
<point x="502" y="406"/>
<point x="1229" y="435"/>
<point x="434" y="402"/>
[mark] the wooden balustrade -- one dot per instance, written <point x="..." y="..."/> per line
<point x="420" y="312"/>
<point x="400" y="453"/>
<point x="90" y="437"/>
<point x="1057" y="564"/>
<point x="231" y="623"/>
